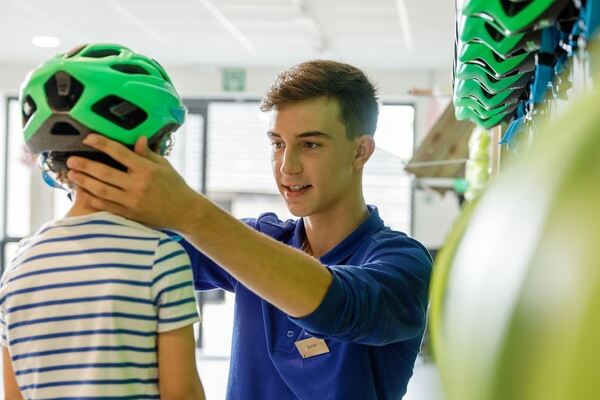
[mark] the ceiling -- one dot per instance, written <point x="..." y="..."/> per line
<point x="398" y="34"/>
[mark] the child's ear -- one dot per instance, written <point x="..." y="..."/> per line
<point x="364" y="149"/>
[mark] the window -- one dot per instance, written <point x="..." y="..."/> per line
<point x="17" y="184"/>
<point x="386" y="184"/>
<point x="239" y="166"/>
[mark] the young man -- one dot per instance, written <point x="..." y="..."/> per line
<point x="329" y="306"/>
<point x="93" y="305"/>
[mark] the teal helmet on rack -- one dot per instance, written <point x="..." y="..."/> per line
<point x="101" y="88"/>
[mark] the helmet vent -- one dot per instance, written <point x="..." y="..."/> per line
<point x="512" y="8"/>
<point x="493" y="32"/>
<point x="119" y="111"/>
<point x="130" y="69"/>
<point x="519" y="52"/>
<point x="64" y="129"/>
<point x="161" y="70"/>
<point x="63" y="91"/>
<point x="101" y="53"/>
<point x="28" y="109"/>
<point x="75" y="50"/>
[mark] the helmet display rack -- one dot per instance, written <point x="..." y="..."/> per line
<point x="516" y="61"/>
<point x="515" y="288"/>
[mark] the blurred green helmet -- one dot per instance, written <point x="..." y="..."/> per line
<point x="482" y="112"/>
<point x="101" y="88"/>
<point x="514" y="312"/>
<point x="468" y="113"/>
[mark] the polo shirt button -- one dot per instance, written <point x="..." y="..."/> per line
<point x="290" y="333"/>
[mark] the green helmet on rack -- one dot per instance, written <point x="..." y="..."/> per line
<point x="479" y="30"/>
<point x="488" y="82"/>
<point x="101" y="88"/>
<point x="496" y="66"/>
<point x="482" y="112"/>
<point x="467" y="113"/>
<point x="471" y="89"/>
<point x="512" y="17"/>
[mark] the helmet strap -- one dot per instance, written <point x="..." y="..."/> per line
<point x="48" y="178"/>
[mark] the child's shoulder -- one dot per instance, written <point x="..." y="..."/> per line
<point x="131" y="224"/>
<point x="104" y="221"/>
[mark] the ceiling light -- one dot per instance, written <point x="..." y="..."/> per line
<point x="45" y="41"/>
<point x="404" y="24"/>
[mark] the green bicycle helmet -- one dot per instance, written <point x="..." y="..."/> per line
<point x="478" y="53"/>
<point x="102" y="88"/>
<point x="510" y="17"/>
<point x="483" y="112"/>
<point x="478" y="30"/>
<point x="471" y="89"/>
<point x="488" y="82"/>
<point x="464" y="113"/>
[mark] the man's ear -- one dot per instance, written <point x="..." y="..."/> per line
<point x="364" y="149"/>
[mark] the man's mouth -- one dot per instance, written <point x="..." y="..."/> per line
<point x="297" y="188"/>
<point x="294" y="191"/>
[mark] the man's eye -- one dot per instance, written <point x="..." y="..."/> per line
<point x="311" y="145"/>
<point x="277" y="145"/>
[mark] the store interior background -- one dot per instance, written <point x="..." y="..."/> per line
<point x="405" y="46"/>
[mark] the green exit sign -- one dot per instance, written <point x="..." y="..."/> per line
<point x="234" y="79"/>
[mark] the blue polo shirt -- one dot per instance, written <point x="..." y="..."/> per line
<point x="372" y="319"/>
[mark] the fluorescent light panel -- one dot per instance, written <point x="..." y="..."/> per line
<point x="45" y="41"/>
<point x="404" y="24"/>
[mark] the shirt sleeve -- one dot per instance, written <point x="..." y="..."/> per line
<point x="3" y="336"/>
<point x="379" y="302"/>
<point x="172" y="287"/>
<point x="208" y="274"/>
<point x="3" y="301"/>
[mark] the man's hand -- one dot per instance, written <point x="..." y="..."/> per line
<point x="150" y="191"/>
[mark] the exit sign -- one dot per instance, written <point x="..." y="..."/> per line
<point x="234" y="79"/>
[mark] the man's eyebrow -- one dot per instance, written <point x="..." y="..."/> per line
<point x="303" y="135"/>
<point x="314" y="134"/>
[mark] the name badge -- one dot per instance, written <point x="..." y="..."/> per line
<point x="311" y="347"/>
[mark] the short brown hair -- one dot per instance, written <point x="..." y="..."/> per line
<point x="355" y="94"/>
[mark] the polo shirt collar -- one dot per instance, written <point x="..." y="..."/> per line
<point x="347" y="246"/>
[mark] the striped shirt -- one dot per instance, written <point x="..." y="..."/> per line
<point x="82" y="303"/>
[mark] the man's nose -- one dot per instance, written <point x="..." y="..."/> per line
<point x="291" y="163"/>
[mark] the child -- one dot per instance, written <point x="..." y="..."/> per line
<point x="96" y="306"/>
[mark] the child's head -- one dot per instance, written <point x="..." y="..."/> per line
<point x="97" y="88"/>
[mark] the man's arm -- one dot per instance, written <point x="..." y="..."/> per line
<point x="152" y="192"/>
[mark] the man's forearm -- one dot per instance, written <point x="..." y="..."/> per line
<point x="287" y="278"/>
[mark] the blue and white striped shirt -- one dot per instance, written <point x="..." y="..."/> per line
<point x="82" y="303"/>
